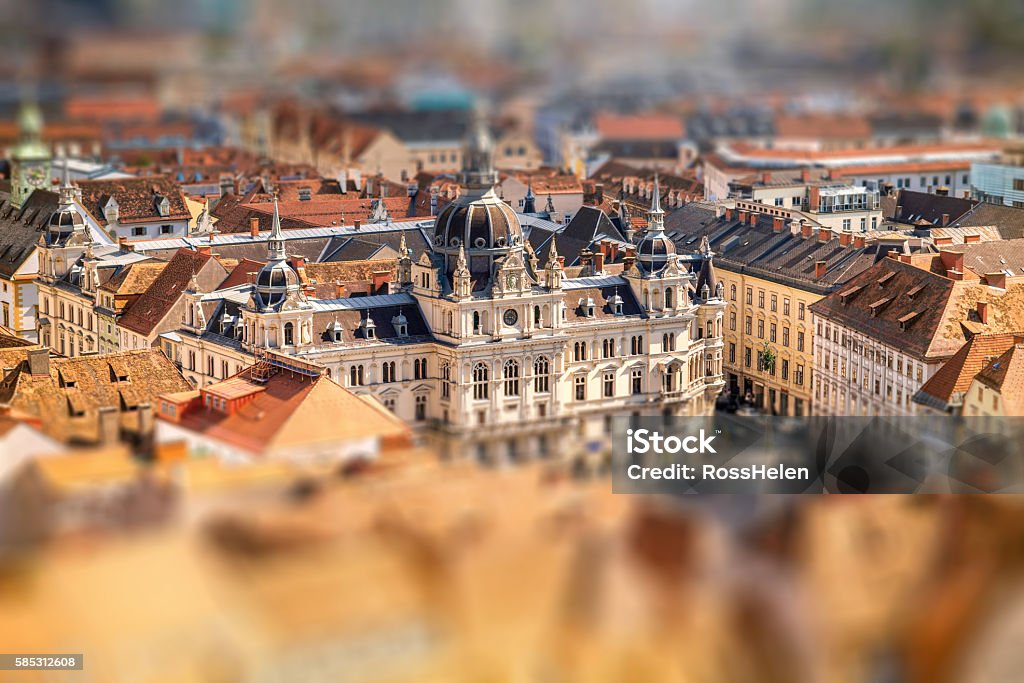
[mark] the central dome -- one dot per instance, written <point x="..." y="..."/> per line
<point x="480" y="224"/>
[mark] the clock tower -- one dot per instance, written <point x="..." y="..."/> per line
<point x="30" y="158"/>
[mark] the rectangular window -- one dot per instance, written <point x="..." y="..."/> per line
<point x="750" y="296"/>
<point x="800" y="310"/>
<point x="785" y="369"/>
<point x="580" y="383"/>
<point x="798" y="376"/>
<point x="746" y="357"/>
<point x="139" y="231"/>
<point x="609" y="384"/>
<point x="775" y="303"/>
<point x="771" y="333"/>
<point x="760" y="329"/>
<point x="785" y="336"/>
<point x="636" y="379"/>
<point x="732" y="320"/>
<point x="748" y="325"/>
<point x="760" y="299"/>
<point x="732" y="352"/>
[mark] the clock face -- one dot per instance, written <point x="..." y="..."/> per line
<point x="511" y="317"/>
<point x="35" y="177"/>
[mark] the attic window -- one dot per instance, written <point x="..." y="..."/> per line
<point x="847" y="294"/>
<point x="369" y="328"/>
<point x="879" y="305"/>
<point x="908" y="318"/>
<point x="305" y="194"/>
<point x="401" y="325"/>
<point x="914" y="291"/>
<point x="885" y="278"/>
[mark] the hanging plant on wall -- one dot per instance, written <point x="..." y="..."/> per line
<point x="766" y="359"/>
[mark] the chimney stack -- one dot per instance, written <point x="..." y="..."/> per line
<point x="743" y="215"/>
<point x="805" y="175"/>
<point x="753" y="219"/>
<point x="356" y="224"/>
<point x="819" y="270"/>
<point x="728" y="214"/>
<point x="766" y="178"/>
<point x="858" y="242"/>
<point x="824" y="234"/>
<point x="805" y="229"/>
<point x="945" y="219"/>
<point x="844" y="239"/>
<point x="254" y="226"/>
<point x="983" y="311"/>
<point x="39" y="362"/>
<point x="598" y="263"/>
<point x="778" y="223"/>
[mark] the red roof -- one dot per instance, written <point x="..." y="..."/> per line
<point x="639" y="127"/>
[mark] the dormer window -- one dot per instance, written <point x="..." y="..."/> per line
<point x="111" y="210"/>
<point x="588" y="306"/>
<point x="369" y="328"/>
<point x="401" y="325"/>
<point x="305" y="194"/>
<point x="163" y="207"/>
<point x="616" y="304"/>
<point x="334" y="330"/>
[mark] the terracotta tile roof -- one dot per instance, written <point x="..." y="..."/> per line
<point x="639" y="127"/>
<point x="946" y="387"/>
<point x="945" y="312"/>
<point x="287" y="412"/>
<point x="822" y="126"/>
<point x="160" y="297"/>
<point x="242" y="274"/>
<point x="901" y="167"/>
<point x="137" y="199"/>
<point x="347" y="271"/>
<point x="112" y="108"/>
<point x="68" y="398"/>
<point x="135" y="278"/>
<point x="1006" y="375"/>
<point x="548" y="181"/>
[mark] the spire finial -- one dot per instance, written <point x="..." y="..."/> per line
<point x="275" y="244"/>
<point x="552" y="253"/>
<point x="656" y="217"/>
<point x="550" y="208"/>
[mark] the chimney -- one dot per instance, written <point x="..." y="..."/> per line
<point x="766" y="178"/>
<point x="356" y="224"/>
<point x="144" y="415"/>
<point x="339" y="289"/>
<point x="743" y="215"/>
<point x="753" y="219"/>
<point x="845" y="239"/>
<point x="805" y="229"/>
<point x="819" y="270"/>
<point x="778" y="223"/>
<point x="598" y="193"/>
<point x="380" y="279"/>
<point x="858" y="242"/>
<point x="39" y="362"/>
<point x="946" y="241"/>
<point x="814" y="198"/>
<point x="728" y="214"/>
<point x="824" y="234"/>
<point x="983" y="311"/>
<point x="109" y="426"/>
<point x="971" y="239"/>
<point x="254" y="226"/>
<point x="598" y="263"/>
<point x="805" y="175"/>
<point x="945" y="219"/>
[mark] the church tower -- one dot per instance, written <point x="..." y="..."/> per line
<point x="30" y="158"/>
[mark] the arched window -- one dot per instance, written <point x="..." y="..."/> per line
<point x="732" y="292"/>
<point x="579" y="351"/>
<point x="636" y="345"/>
<point x="511" y="376"/>
<point x="669" y="299"/>
<point x="536" y="316"/>
<point x="710" y="329"/>
<point x="355" y="376"/>
<point x="480" y="380"/>
<point x="541" y="375"/>
<point x="476" y="323"/>
<point x="388" y="371"/>
<point x="419" y="368"/>
<point x="289" y="334"/>
<point x="446" y="379"/>
<point x="451" y="322"/>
